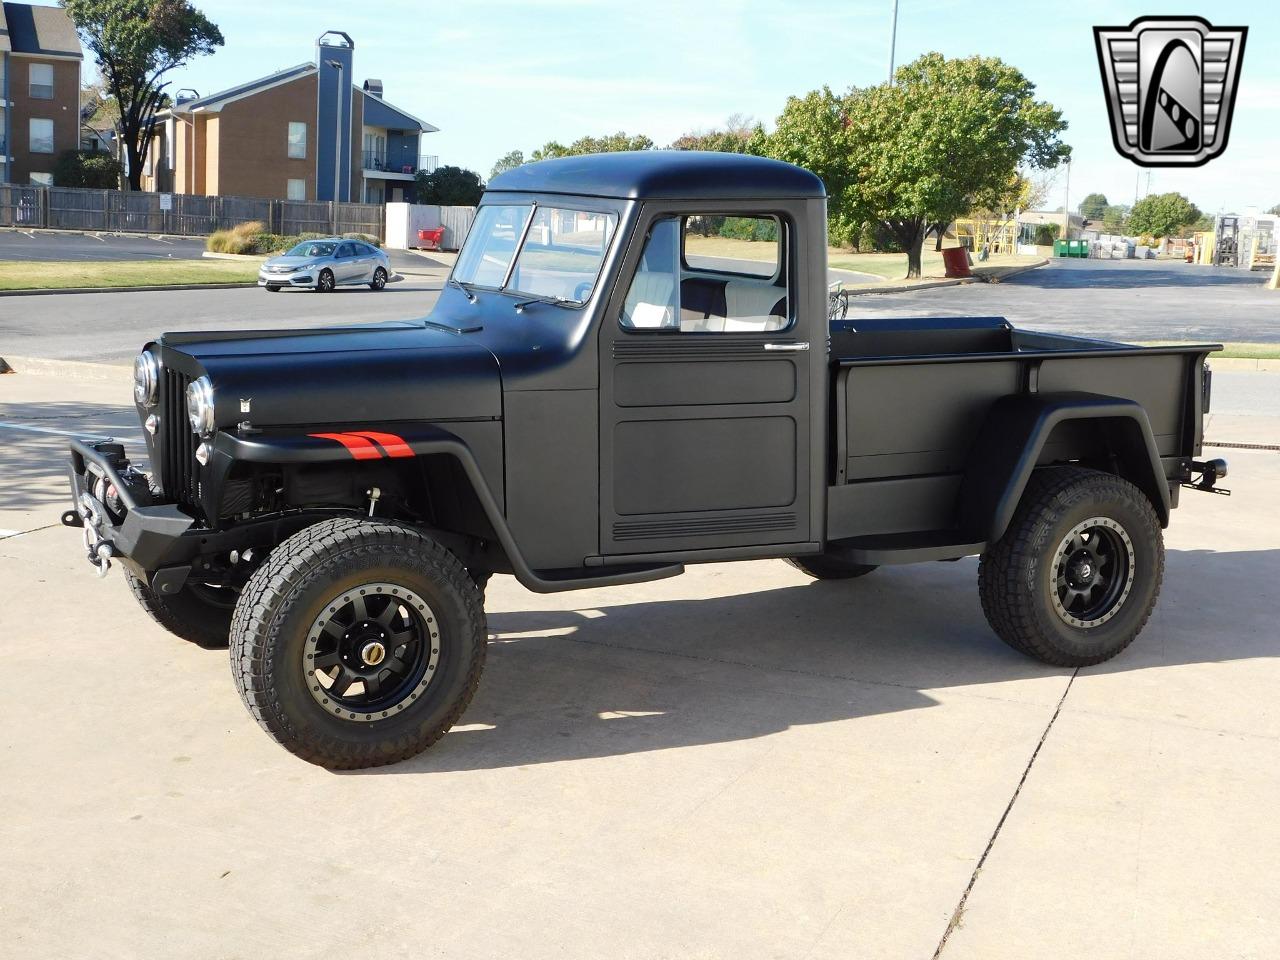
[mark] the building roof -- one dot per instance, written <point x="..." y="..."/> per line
<point x="215" y="101"/>
<point x="38" y="30"/>
<point x="380" y="113"/>
<point x="664" y="174"/>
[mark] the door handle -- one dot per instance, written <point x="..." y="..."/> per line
<point x="788" y="347"/>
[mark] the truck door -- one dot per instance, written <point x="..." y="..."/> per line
<point x="704" y="388"/>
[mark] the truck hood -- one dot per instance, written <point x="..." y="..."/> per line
<point x="340" y="375"/>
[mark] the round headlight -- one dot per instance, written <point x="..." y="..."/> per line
<point x="200" y="406"/>
<point x="146" y="378"/>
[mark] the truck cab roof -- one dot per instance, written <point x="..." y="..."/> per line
<point x="665" y="175"/>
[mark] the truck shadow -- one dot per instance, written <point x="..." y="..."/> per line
<point x="611" y="679"/>
<point x="33" y="464"/>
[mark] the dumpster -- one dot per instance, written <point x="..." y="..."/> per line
<point x="431" y="239"/>
<point x="1077" y="248"/>
<point x="1060" y="248"/>
<point x="956" y="260"/>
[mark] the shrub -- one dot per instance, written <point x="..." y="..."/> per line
<point x="1046" y="233"/>
<point x="749" y="228"/>
<point x="87" y="168"/>
<point x="253" y="238"/>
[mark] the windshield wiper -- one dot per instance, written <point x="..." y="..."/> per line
<point x="465" y="287"/>
<point x="557" y="301"/>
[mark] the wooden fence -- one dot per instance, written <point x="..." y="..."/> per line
<point x="119" y="211"/>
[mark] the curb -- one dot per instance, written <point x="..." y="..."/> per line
<point x="146" y="289"/>
<point x="949" y="282"/>
<point x="70" y="369"/>
<point x="237" y="257"/>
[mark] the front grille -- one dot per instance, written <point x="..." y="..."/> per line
<point x="178" y="443"/>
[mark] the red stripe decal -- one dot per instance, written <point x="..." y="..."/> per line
<point x="357" y="446"/>
<point x="392" y="444"/>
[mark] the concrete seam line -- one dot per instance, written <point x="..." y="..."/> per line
<point x="23" y="533"/>
<point x="958" y="913"/>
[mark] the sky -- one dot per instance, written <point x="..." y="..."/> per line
<point x="497" y="75"/>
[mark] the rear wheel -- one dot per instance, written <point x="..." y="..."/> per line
<point x="1074" y="579"/>
<point x="379" y="279"/>
<point x="324" y="283"/>
<point x="199" y="613"/>
<point x="832" y="565"/>
<point x="358" y="643"/>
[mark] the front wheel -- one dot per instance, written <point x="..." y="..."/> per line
<point x="379" y="279"/>
<point x="198" y="613"/>
<point x="324" y="283"/>
<point x="1074" y="579"/>
<point x="273" y="288"/>
<point x="358" y="643"/>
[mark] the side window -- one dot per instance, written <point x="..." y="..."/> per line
<point x="346" y="250"/>
<point x="711" y="274"/>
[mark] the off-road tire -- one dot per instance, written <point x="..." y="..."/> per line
<point x="481" y="579"/>
<point x="185" y="614"/>
<point x="324" y="285"/>
<point x="379" y="281"/>
<point x="830" y="566"/>
<point x="276" y="612"/>
<point x="1017" y="587"/>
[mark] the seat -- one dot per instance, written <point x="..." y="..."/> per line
<point x="649" y="301"/>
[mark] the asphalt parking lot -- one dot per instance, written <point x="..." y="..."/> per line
<point x="1127" y="300"/>
<point x="738" y="763"/>
<point x="41" y="245"/>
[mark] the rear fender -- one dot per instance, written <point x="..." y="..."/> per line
<point x="1014" y="435"/>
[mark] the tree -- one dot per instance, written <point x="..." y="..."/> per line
<point x="923" y="151"/>
<point x="612" y="143"/>
<point x="1162" y="214"/>
<point x="737" y="137"/>
<point x="136" y="43"/>
<point x="449" y="187"/>
<point x="87" y="168"/>
<point x="1114" y="218"/>
<point x="1275" y="211"/>
<point x="1093" y="206"/>
<point x="508" y="162"/>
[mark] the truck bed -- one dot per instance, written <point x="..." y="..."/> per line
<point x="911" y="396"/>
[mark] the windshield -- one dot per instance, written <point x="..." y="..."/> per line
<point x="310" y="248"/>
<point x="559" y="259"/>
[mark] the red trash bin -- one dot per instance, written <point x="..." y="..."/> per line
<point x="431" y="239"/>
<point x="956" y="260"/>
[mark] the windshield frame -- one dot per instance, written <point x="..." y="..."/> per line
<point x="532" y="206"/>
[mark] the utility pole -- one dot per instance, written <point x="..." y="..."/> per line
<point x="893" y="39"/>
<point x="337" y="145"/>
<point x="1066" y="207"/>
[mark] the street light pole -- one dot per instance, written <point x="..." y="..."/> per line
<point x="893" y="39"/>
<point x="337" y="145"/>
<point x="1066" y="207"/>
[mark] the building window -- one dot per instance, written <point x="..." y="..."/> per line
<point x="296" y="190"/>
<point x="41" y="135"/>
<point x="297" y="141"/>
<point x="42" y="179"/>
<point x="41" y="81"/>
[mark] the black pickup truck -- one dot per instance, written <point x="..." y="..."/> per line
<point x="608" y="389"/>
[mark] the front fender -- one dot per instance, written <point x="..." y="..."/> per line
<point x="1013" y="437"/>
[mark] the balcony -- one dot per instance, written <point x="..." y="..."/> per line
<point x="376" y="163"/>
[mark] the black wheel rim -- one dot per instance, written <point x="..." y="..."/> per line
<point x="326" y="281"/>
<point x="372" y="652"/>
<point x="1092" y="572"/>
<point x="379" y="279"/>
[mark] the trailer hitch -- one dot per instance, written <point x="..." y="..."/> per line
<point x="1211" y="471"/>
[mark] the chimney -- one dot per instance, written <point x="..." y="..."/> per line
<point x="373" y="88"/>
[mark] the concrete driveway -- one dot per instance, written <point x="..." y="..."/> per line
<point x="738" y="763"/>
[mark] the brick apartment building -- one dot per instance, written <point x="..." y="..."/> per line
<point x="40" y="59"/>
<point x="278" y="137"/>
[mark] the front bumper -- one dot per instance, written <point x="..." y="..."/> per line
<point x="139" y="532"/>
<point x="299" y="278"/>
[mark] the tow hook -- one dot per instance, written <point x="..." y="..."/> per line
<point x="102" y="559"/>
<point x="1211" y="471"/>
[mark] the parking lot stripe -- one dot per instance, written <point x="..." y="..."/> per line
<point x="68" y="433"/>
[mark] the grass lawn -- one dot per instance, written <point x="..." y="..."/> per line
<point x="93" y="273"/>
<point x="1235" y="351"/>
<point x="888" y="266"/>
